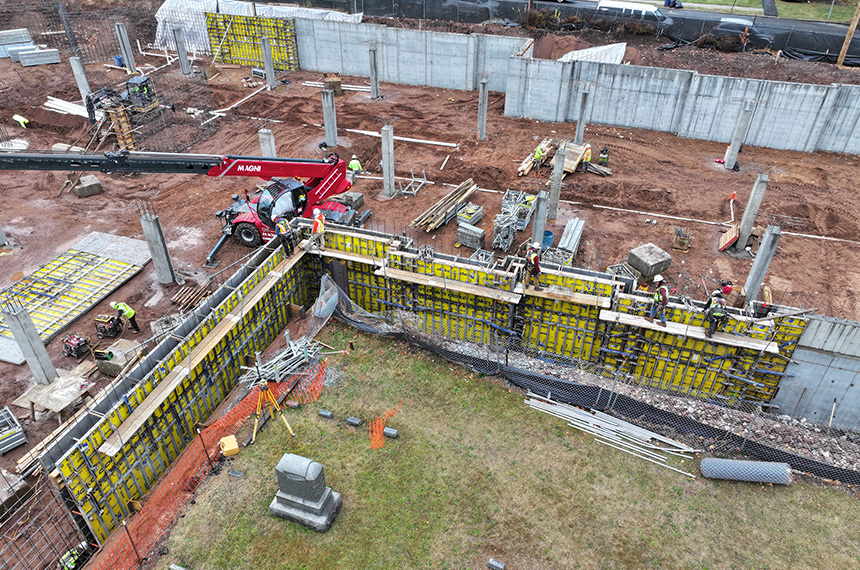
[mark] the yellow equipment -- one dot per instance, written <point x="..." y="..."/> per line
<point x="267" y="396"/>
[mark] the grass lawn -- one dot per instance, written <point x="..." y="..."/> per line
<point x="818" y="10"/>
<point x="476" y="474"/>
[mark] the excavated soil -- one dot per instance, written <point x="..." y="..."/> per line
<point x="653" y="173"/>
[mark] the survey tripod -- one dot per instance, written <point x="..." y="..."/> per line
<point x="266" y="396"/>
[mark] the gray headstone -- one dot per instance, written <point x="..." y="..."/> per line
<point x="303" y="497"/>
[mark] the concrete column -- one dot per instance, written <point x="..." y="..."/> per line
<point x="3" y="239"/>
<point x="268" y="62"/>
<point x="555" y="186"/>
<point x="157" y="247"/>
<point x="540" y="218"/>
<point x="329" y="117"/>
<point x="388" y="161"/>
<point x="762" y="261"/>
<point x="179" y="38"/>
<point x="80" y="77"/>
<point x="267" y="143"/>
<point x="25" y="334"/>
<point x="580" y="124"/>
<point x="125" y="46"/>
<point x="741" y="129"/>
<point x="374" y="74"/>
<point x="751" y="210"/>
<point x="482" y="109"/>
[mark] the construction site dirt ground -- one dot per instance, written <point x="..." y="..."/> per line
<point x="653" y="172"/>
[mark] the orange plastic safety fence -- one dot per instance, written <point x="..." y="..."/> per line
<point x="377" y="428"/>
<point x="173" y="491"/>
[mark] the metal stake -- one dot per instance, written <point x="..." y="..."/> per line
<point x="205" y="451"/>
<point x="139" y="559"/>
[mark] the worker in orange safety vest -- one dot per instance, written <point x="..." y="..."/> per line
<point x="317" y="233"/>
<point x="586" y="159"/>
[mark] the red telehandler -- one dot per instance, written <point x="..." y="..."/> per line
<point x="296" y="186"/>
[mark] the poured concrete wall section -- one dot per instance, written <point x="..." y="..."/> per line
<point x="410" y="57"/>
<point x="788" y="116"/>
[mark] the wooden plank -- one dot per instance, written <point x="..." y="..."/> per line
<point x="728" y="238"/>
<point x="564" y="294"/>
<point x="690" y="331"/>
<point x="528" y="163"/>
<point x="573" y="154"/>
<point x="165" y="388"/>
<point x="449" y="284"/>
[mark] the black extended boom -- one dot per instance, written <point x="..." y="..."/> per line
<point x="121" y="161"/>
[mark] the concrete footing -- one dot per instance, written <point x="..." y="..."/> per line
<point x="649" y="260"/>
<point x="302" y="496"/>
<point x="88" y="185"/>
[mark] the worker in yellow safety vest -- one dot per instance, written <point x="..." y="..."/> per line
<point x="20" y="120"/>
<point x="661" y="297"/>
<point x="355" y="165"/>
<point x="539" y="156"/>
<point x="124" y="310"/>
<point x="285" y="235"/>
<point x="586" y="159"/>
<point x="715" y="311"/>
<point x="533" y="266"/>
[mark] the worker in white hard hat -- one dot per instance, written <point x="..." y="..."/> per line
<point x="661" y="297"/>
<point x="533" y="266"/>
<point x="355" y="165"/>
<point x="586" y="158"/>
<point x="317" y="233"/>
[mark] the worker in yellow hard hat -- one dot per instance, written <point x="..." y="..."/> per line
<point x="20" y="120"/>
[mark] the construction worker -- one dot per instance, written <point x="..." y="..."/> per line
<point x="20" y="120"/>
<point x="661" y="297"/>
<point x="123" y="310"/>
<point x="533" y="266"/>
<point x="586" y="159"/>
<point x="72" y="559"/>
<point x="715" y="312"/>
<point x="355" y="165"/>
<point x="539" y="156"/>
<point x="285" y="233"/>
<point x="603" y="157"/>
<point x="317" y="233"/>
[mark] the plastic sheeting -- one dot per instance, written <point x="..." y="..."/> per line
<point x="613" y="53"/>
<point x="190" y="15"/>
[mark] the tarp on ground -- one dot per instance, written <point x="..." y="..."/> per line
<point x="190" y="15"/>
<point x="613" y="53"/>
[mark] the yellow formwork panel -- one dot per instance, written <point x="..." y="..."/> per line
<point x="236" y="39"/>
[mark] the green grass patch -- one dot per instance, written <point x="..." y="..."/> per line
<point x="842" y="10"/>
<point x="476" y="474"/>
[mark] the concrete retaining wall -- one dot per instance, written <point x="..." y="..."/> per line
<point x="788" y="116"/>
<point x="410" y="57"/>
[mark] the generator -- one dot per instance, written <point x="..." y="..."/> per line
<point x="75" y="345"/>
<point x="109" y="326"/>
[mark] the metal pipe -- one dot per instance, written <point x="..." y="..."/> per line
<point x="647" y="459"/>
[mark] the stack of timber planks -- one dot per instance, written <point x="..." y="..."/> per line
<point x="189" y="297"/>
<point x="446" y="208"/>
<point x="529" y="162"/>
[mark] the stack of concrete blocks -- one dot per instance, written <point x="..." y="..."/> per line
<point x="302" y="495"/>
<point x="648" y="260"/>
<point x="123" y="352"/>
<point x="88" y="185"/>
<point x="354" y="200"/>
<point x="572" y="236"/>
<point x="470" y="236"/>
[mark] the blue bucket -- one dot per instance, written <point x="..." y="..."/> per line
<point x="548" y="236"/>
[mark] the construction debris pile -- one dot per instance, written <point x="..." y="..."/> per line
<point x="295" y="356"/>
<point x="445" y="209"/>
<point x="613" y="432"/>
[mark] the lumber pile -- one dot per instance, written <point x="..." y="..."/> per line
<point x="189" y="297"/>
<point x="573" y="154"/>
<point x="597" y="169"/>
<point x="529" y="162"/>
<point x="445" y="209"/>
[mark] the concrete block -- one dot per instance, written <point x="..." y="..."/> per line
<point x="354" y="200"/>
<point x="354" y="422"/>
<point x="89" y="185"/>
<point x="11" y="495"/>
<point x="326" y="414"/>
<point x="494" y="564"/>
<point x="124" y="351"/>
<point x="302" y="495"/>
<point x="649" y="260"/>
<point x="390" y="432"/>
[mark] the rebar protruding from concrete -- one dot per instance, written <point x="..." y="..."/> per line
<point x="482" y="109"/>
<point x="80" y="77"/>
<point x="580" y="124"/>
<point x="329" y="117"/>
<point x="267" y="143"/>
<point x="25" y="334"/>
<point x="268" y="62"/>
<point x="374" y="74"/>
<point x="388" y="161"/>
<point x="179" y="38"/>
<point x="741" y="129"/>
<point x="157" y="244"/>
<point x="555" y="186"/>
<point x="540" y="217"/>
<point x="751" y="211"/>
<point x="751" y="471"/>
<point x="125" y="47"/>
<point x="762" y="261"/>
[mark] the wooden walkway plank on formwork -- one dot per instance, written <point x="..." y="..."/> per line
<point x="449" y="284"/>
<point x="559" y="293"/>
<point x="162" y="392"/>
<point x="690" y="331"/>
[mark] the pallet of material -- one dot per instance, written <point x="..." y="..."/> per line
<point x="528" y="163"/>
<point x="470" y="236"/>
<point x="504" y="231"/>
<point x="573" y="154"/>
<point x="11" y="433"/>
<point x="470" y="214"/>
<point x="572" y="235"/>
<point x="5" y="49"/>
<point x="188" y="297"/>
<point x="445" y="209"/>
<point x="39" y="57"/>
<point x="519" y="205"/>
<point x="17" y="36"/>
<point x="599" y="170"/>
<point x="557" y="256"/>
